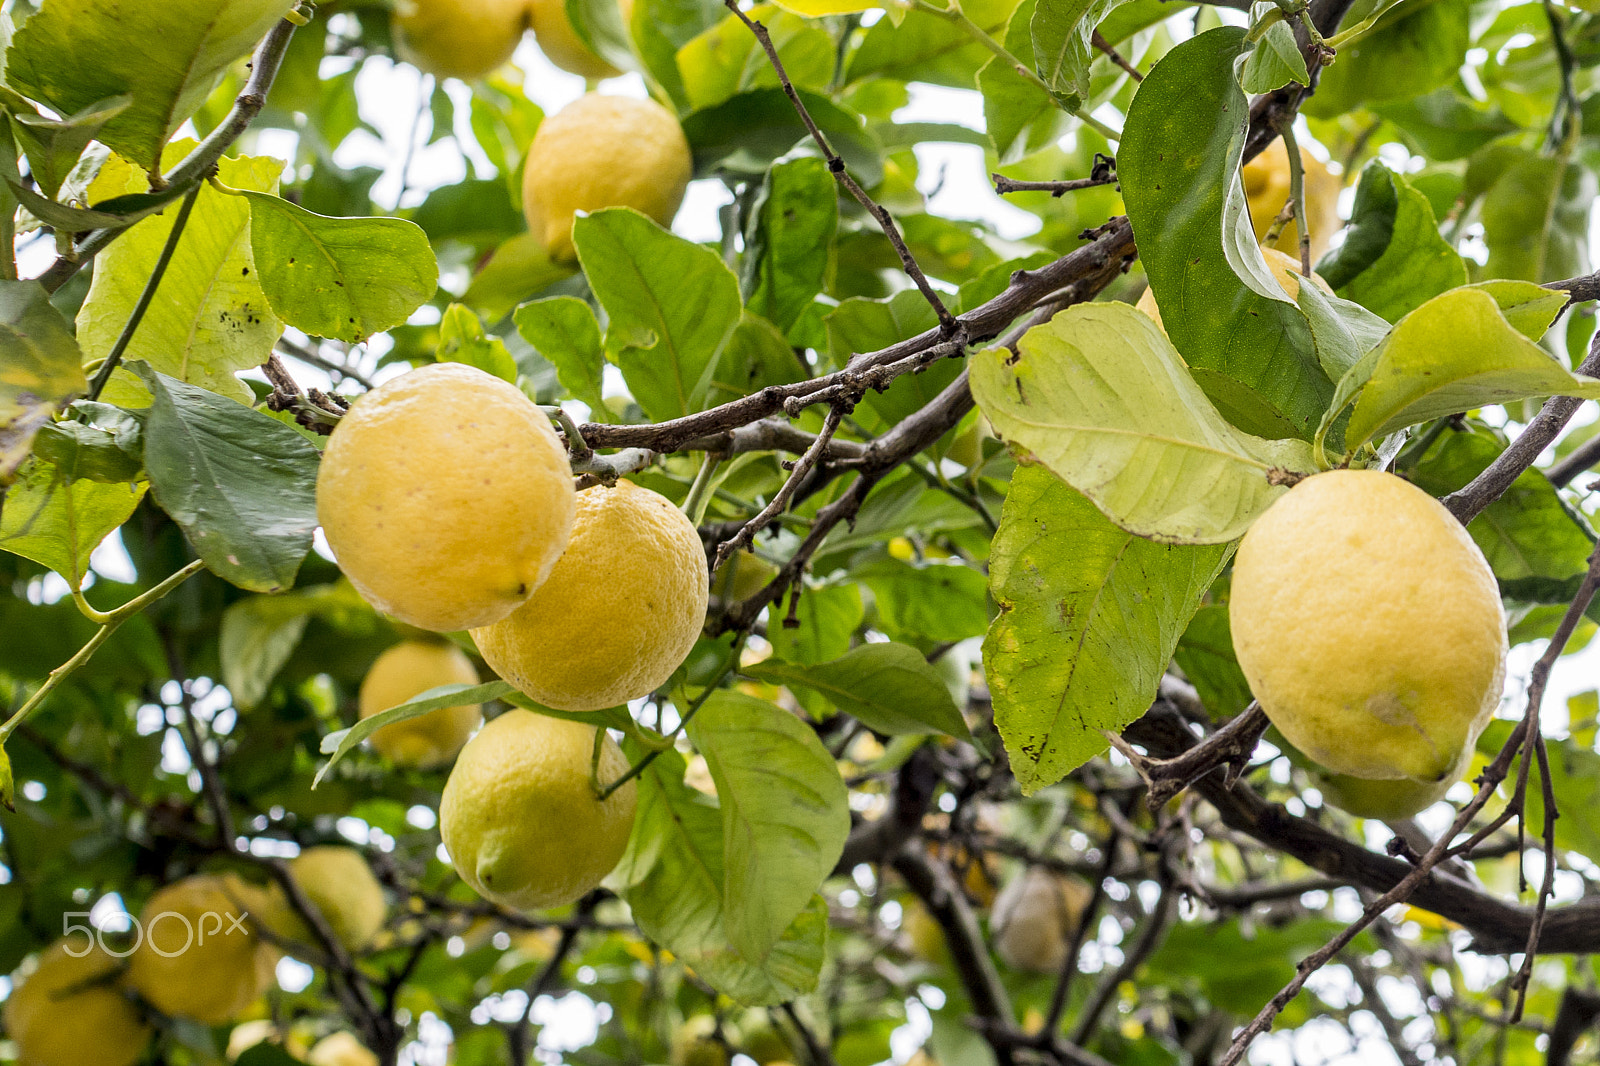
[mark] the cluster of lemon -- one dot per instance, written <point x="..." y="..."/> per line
<point x="599" y="151"/>
<point x="449" y="502"/>
<point x="207" y="950"/>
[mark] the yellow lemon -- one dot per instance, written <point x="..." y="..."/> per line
<point x="446" y="496"/>
<point x="1369" y="627"/>
<point x="340" y="1049"/>
<point x="1035" y="916"/>
<point x="620" y="611"/>
<point x="339" y="883"/>
<point x="1266" y="186"/>
<point x="458" y="38"/>
<point x="519" y="817"/>
<point x="405" y="672"/>
<point x="561" y="44"/>
<point x="200" y="957"/>
<point x="69" y="1011"/>
<point x="1285" y="268"/>
<point x="603" y="151"/>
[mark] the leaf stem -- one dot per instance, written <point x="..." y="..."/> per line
<point x="1297" y="194"/>
<point x="136" y="316"/>
<point x="109" y="625"/>
<point x="694" y="505"/>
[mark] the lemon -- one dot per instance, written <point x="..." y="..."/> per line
<point x="619" y="612"/>
<point x="561" y="44"/>
<point x="458" y="38"/>
<point x="247" y="1035"/>
<point x="446" y="496"/>
<point x="519" y="817"/>
<point x="603" y="151"/>
<point x="1369" y="627"/>
<point x="1266" y="186"/>
<point x="200" y="957"/>
<point x="340" y="1049"/>
<point x="339" y="883"/>
<point x="742" y="576"/>
<point x="405" y="672"/>
<point x="1285" y="268"/>
<point x="69" y="1011"/>
<point x="1035" y="916"/>
<point x="924" y="933"/>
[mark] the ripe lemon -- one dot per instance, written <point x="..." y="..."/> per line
<point x="340" y="1049"/>
<point x="561" y="44"/>
<point x="618" y="613"/>
<point x="69" y="1011"/>
<point x="603" y="151"/>
<point x="405" y="672"/>
<point x="1266" y="186"/>
<point x="1369" y="627"/>
<point x="1035" y="916"/>
<point x="340" y="884"/>
<point x="446" y="496"/>
<point x="200" y="957"/>
<point x="1285" y="268"/>
<point x="519" y="817"/>
<point x="463" y="39"/>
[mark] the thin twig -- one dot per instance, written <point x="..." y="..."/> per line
<point x="780" y="499"/>
<point x="1115" y="56"/>
<point x="1004" y="185"/>
<point x="947" y="322"/>
<point x="1584" y="457"/>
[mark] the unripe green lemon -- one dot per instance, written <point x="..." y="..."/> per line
<point x="459" y="38"/>
<point x="603" y="151"/>
<point x="1370" y="627"/>
<point x="446" y="496"/>
<point x="195" y="960"/>
<point x="69" y="1011"/>
<point x="519" y="817"/>
<point x="619" y="612"/>
<point x="405" y="672"/>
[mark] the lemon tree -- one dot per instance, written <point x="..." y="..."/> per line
<point x="820" y="532"/>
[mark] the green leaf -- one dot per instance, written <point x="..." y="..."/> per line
<point x="672" y="878"/>
<point x="338" y="744"/>
<point x="1274" y="62"/>
<point x="1247" y="346"/>
<point x="168" y="57"/>
<point x="1530" y="308"/>
<point x="672" y="306"/>
<point x="1536" y="219"/>
<point x="107" y="445"/>
<point x="54" y="145"/>
<point x="8" y="785"/>
<point x="1536" y="545"/>
<point x="1020" y="116"/>
<point x="785" y="814"/>
<point x="726" y="59"/>
<point x="1392" y="259"/>
<point x="1416" y="47"/>
<point x="660" y="27"/>
<point x="563" y="330"/>
<point x="518" y="269"/>
<point x="747" y="133"/>
<point x="757" y="355"/>
<point x="209" y="318"/>
<point x="1062" y="32"/>
<point x="59" y="522"/>
<point x="115" y="213"/>
<point x="938" y="602"/>
<point x="257" y="637"/>
<point x="1205" y="655"/>
<point x="890" y="688"/>
<point x="40" y="369"/>
<point x="240" y="483"/>
<point x="1343" y="331"/>
<point x="789" y="239"/>
<point x="345" y="278"/>
<point x="1236" y="970"/>
<point x="1454" y="353"/>
<point x="1445" y="124"/>
<point x="1101" y="399"/>
<point x="462" y="339"/>
<point x="1089" y="618"/>
<point x="599" y="24"/>
<point x="929" y="48"/>
<point x="826" y="616"/>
